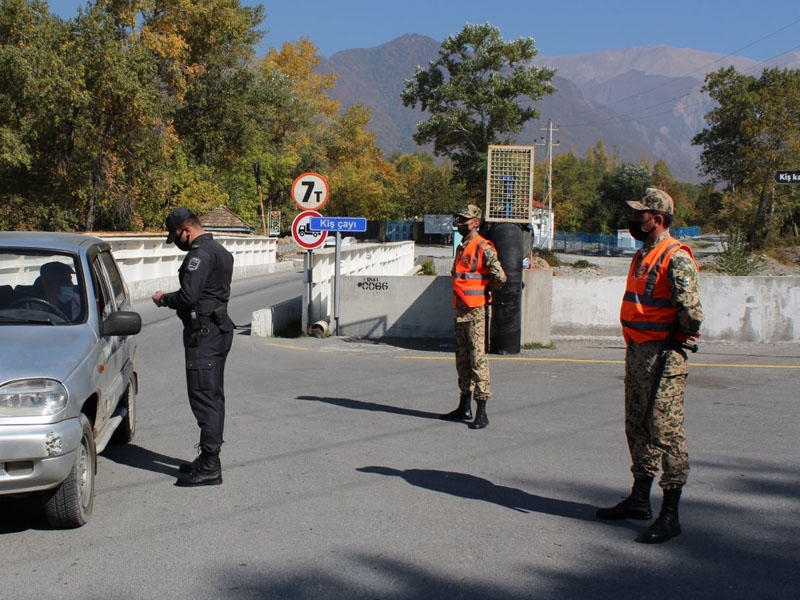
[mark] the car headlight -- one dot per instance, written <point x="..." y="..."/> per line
<point x="32" y="398"/>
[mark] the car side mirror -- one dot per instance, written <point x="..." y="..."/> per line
<point x="122" y="323"/>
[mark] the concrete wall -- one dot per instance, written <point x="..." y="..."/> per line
<point x="399" y="307"/>
<point x="736" y="309"/>
<point x="536" y="307"/>
<point x="422" y="307"/>
<point x="276" y="318"/>
<point x="388" y="259"/>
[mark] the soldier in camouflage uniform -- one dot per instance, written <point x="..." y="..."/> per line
<point x="476" y="269"/>
<point x="660" y="312"/>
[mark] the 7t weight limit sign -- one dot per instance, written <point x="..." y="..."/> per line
<point x="310" y="191"/>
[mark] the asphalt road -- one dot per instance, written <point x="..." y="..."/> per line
<point x="340" y="482"/>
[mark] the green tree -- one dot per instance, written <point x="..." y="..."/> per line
<point x="478" y="92"/>
<point x="753" y="132"/>
<point x="628" y="182"/>
<point x="40" y="89"/>
<point x="575" y="183"/>
<point x="425" y="187"/>
<point x="121" y="144"/>
<point x="216" y="121"/>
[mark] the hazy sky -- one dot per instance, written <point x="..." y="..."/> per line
<point x="757" y="29"/>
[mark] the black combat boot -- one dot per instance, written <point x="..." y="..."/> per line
<point x="206" y="471"/>
<point x="188" y="467"/>
<point x="481" y="420"/>
<point x="666" y="526"/>
<point x="635" y="506"/>
<point x="462" y="413"/>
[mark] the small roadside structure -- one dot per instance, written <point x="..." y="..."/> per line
<point x="224" y="220"/>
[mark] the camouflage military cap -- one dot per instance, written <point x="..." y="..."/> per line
<point x="653" y="199"/>
<point x="470" y="211"/>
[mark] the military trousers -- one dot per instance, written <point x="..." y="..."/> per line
<point x="472" y="364"/>
<point x="206" y="351"/>
<point x="654" y="426"/>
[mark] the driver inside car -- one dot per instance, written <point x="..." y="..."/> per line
<point x="57" y="288"/>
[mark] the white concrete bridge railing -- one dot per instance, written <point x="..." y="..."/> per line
<point x="148" y="263"/>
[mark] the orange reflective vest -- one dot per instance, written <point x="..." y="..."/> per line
<point x="647" y="311"/>
<point x="470" y="275"/>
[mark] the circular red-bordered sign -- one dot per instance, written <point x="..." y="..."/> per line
<point x="310" y="191"/>
<point x="305" y="237"/>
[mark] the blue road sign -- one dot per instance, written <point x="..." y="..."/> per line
<point x="343" y="224"/>
<point x="787" y="176"/>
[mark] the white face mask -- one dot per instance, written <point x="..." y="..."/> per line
<point x="65" y="294"/>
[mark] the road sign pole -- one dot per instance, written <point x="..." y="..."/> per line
<point x="310" y="281"/>
<point x="336" y="273"/>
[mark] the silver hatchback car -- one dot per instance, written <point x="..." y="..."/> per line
<point x="67" y="368"/>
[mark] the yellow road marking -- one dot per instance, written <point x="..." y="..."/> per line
<point x="596" y="361"/>
<point x="608" y="362"/>
<point x="289" y="346"/>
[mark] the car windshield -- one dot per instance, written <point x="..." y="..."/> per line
<point x="41" y="288"/>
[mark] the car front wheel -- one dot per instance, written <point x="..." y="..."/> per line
<point x="70" y="504"/>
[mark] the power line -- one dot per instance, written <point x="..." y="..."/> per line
<point x="632" y="115"/>
<point x="706" y="68"/>
<point x="629" y="116"/>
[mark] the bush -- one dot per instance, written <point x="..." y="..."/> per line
<point x="582" y="264"/>
<point x="735" y="258"/>
<point x="428" y="267"/>
<point x="547" y="255"/>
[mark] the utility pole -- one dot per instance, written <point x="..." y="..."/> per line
<point x="548" y="198"/>
<point x="257" y="174"/>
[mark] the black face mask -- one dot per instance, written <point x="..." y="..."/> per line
<point x="185" y="246"/>
<point x="463" y="229"/>
<point x="636" y="231"/>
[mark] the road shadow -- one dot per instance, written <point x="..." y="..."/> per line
<point x="27" y="512"/>
<point x="471" y="487"/>
<point x="137" y="457"/>
<point x="21" y="514"/>
<point x="371" y="406"/>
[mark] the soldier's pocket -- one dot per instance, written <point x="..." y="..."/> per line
<point x="676" y="364"/>
<point x="193" y="338"/>
<point x="201" y="374"/>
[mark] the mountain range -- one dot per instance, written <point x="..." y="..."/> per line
<point x="640" y="102"/>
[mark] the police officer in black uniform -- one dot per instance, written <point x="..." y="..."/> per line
<point x="201" y="304"/>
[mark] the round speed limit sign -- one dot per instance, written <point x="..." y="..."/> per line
<point x="310" y="191"/>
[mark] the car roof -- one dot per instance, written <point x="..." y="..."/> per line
<point x="48" y="240"/>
